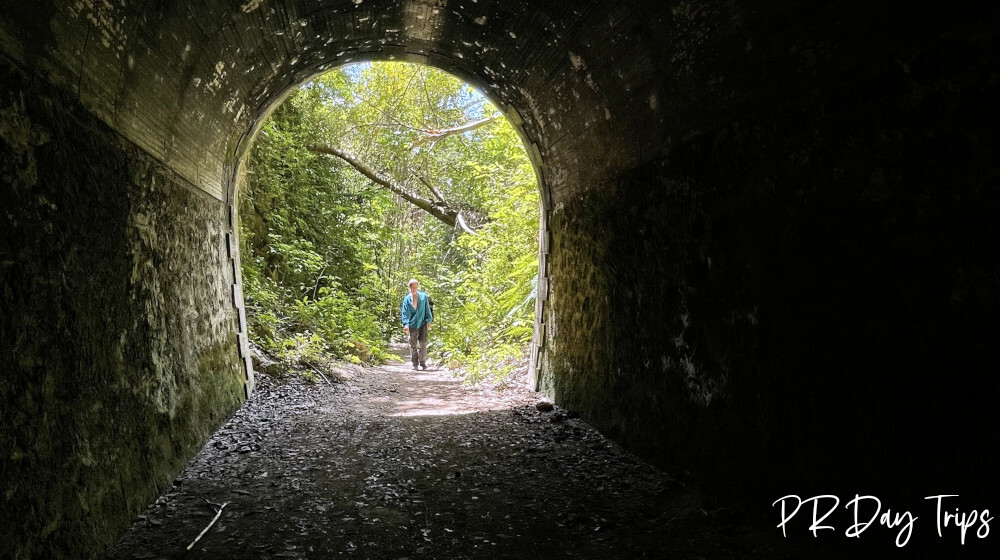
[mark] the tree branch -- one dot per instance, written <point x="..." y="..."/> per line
<point x="439" y="210"/>
<point x="471" y="104"/>
<point x="463" y="225"/>
<point x="434" y="135"/>
<point x="431" y="187"/>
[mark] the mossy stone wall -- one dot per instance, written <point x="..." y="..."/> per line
<point x="118" y="351"/>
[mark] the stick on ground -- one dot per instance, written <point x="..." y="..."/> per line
<point x="317" y="370"/>
<point x="205" y="530"/>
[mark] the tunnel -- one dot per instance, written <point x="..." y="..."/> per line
<point x="765" y="258"/>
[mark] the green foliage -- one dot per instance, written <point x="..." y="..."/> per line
<point x="326" y="253"/>
<point x="307" y="245"/>
<point x="492" y="286"/>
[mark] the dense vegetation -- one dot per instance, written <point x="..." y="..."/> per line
<point x="449" y="197"/>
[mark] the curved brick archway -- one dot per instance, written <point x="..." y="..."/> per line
<point x="763" y="249"/>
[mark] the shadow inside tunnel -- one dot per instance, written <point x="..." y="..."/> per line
<point x="395" y="463"/>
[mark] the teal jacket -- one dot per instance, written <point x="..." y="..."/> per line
<point x="415" y="318"/>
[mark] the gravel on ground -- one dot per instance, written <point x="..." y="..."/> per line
<point x="392" y="463"/>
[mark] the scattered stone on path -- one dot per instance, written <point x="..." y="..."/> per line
<point x="392" y="463"/>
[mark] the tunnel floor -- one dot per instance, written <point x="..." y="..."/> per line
<point x="398" y="464"/>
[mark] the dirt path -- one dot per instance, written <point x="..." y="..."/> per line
<point x="393" y="463"/>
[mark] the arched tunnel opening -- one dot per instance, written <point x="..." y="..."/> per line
<point x="766" y="260"/>
<point x="368" y="176"/>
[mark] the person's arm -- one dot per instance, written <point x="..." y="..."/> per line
<point x="402" y="315"/>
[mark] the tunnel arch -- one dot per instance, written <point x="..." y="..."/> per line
<point x="191" y="84"/>
<point x="735" y="192"/>
<point x="187" y="83"/>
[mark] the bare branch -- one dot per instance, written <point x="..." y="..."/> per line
<point x="464" y="226"/>
<point x="471" y="104"/>
<point x="205" y="530"/>
<point x="435" y="135"/>
<point x="439" y="210"/>
<point x="428" y="184"/>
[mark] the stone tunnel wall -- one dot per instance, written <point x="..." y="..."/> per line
<point x="118" y="353"/>
<point x="802" y="295"/>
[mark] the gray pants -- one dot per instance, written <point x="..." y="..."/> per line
<point x="418" y="345"/>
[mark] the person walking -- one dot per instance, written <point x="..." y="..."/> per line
<point x="417" y="315"/>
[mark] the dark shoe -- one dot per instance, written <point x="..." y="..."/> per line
<point x="414" y="367"/>
<point x="423" y="367"/>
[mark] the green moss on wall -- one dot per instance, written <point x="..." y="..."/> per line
<point x="117" y="330"/>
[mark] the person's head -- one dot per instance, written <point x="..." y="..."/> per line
<point x="414" y="285"/>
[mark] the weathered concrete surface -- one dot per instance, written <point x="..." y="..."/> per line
<point x="800" y="298"/>
<point x="768" y="258"/>
<point x="118" y="350"/>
